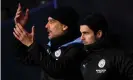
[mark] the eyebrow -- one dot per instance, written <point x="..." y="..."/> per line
<point x="84" y="32"/>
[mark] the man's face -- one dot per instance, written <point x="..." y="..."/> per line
<point x="87" y="35"/>
<point x="54" y="28"/>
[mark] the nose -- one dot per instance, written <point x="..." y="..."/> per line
<point x="47" y="25"/>
<point x="82" y="37"/>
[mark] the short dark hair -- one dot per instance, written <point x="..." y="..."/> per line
<point x="95" y="21"/>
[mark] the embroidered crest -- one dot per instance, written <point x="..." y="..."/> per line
<point x="58" y="53"/>
<point x="102" y="63"/>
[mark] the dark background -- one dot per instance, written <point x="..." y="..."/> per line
<point x="119" y="14"/>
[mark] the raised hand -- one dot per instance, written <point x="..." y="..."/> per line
<point x="20" y="17"/>
<point x="23" y="36"/>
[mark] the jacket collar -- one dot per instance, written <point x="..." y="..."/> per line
<point x="77" y="40"/>
<point x="98" y="45"/>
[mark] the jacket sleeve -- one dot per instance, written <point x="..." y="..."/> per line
<point x="71" y="61"/>
<point x="126" y="67"/>
<point x="25" y="57"/>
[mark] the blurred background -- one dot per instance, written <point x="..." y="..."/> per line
<point x="8" y="8"/>
<point x="119" y="14"/>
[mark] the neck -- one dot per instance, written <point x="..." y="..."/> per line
<point x="58" y="41"/>
<point x="101" y="43"/>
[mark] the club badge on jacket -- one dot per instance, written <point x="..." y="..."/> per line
<point x="58" y="53"/>
<point x="101" y="65"/>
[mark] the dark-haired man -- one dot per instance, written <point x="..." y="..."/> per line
<point x="102" y="62"/>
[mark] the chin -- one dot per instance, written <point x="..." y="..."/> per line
<point x="49" y="37"/>
<point x="52" y="37"/>
<point x="86" y="43"/>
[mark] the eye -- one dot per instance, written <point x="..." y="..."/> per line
<point x="52" y="21"/>
<point x="85" y="32"/>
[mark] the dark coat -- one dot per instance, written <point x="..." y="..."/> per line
<point x="106" y="64"/>
<point x="60" y="63"/>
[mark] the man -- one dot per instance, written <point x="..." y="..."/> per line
<point x="62" y="57"/>
<point x="102" y="62"/>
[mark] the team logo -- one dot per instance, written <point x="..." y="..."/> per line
<point x="58" y="53"/>
<point x="102" y="63"/>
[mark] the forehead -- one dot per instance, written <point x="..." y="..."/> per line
<point x="84" y="28"/>
<point x="50" y="18"/>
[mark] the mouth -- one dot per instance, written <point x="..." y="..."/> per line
<point x="49" y="31"/>
<point x="83" y="42"/>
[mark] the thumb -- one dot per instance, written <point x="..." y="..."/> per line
<point x="26" y="14"/>
<point x="33" y="30"/>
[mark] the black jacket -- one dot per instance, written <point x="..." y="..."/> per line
<point x="62" y="62"/>
<point x="106" y="64"/>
